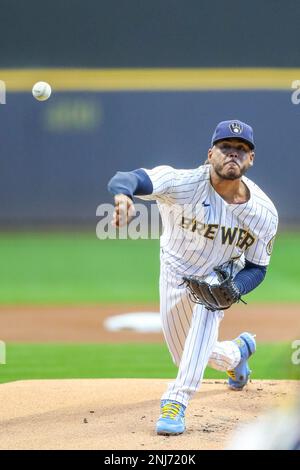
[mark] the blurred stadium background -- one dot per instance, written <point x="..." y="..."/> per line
<point x="134" y="84"/>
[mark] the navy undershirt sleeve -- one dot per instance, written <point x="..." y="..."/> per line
<point x="131" y="183"/>
<point x="250" y="277"/>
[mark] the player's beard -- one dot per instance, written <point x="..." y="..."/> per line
<point x="230" y="174"/>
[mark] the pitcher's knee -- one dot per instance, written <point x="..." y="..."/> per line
<point x="216" y="361"/>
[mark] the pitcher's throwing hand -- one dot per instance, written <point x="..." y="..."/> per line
<point x="124" y="210"/>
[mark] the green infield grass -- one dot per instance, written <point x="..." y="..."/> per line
<point x="62" y="361"/>
<point x="66" y="268"/>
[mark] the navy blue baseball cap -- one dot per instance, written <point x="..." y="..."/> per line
<point x="234" y="129"/>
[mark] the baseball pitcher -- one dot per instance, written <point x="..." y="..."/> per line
<point x="218" y="233"/>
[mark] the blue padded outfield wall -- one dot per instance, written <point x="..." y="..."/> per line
<point x="57" y="156"/>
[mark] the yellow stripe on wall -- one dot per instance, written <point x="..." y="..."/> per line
<point x="151" y="79"/>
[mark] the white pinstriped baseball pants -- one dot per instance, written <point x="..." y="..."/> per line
<point x="191" y="333"/>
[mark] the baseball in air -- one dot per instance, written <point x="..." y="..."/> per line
<point x="41" y="91"/>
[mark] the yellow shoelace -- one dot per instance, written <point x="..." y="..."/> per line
<point x="170" y="410"/>
<point x="231" y="374"/>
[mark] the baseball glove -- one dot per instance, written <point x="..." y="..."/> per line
<point x="214" y="296"/>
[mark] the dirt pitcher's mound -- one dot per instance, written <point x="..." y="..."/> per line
<point x="121" y="413"/>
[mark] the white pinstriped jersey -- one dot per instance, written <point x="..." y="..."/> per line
<point x="201" y="230"/>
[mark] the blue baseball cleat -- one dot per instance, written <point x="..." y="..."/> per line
<point x="239" y="377"/>
<point x="171" y="420"/>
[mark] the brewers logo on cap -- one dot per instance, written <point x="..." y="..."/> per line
<point x="236" y="128"/>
